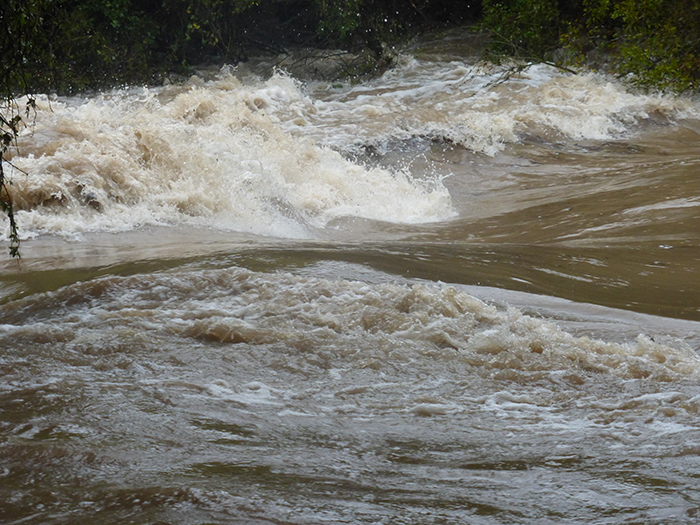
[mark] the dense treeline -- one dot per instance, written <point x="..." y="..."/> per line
<point x="73" y="45"/>
<point x="68" y="46"/>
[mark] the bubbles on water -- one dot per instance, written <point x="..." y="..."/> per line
<point x="206" y="154"/>
<point x="335" y="324"/>
<point x="254" y="156"/>
<point x="267" y="385"/>
<point x="481" y="107"/>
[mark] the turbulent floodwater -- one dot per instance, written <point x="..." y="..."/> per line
<point x="444" y="295"/>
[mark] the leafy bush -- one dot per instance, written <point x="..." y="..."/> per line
<point x="659" y="43"/>
<point x="655" y="44"/>
<point x="523" y="27"/>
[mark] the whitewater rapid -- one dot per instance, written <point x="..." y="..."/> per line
<point x="280" y="157"/>
<point x="454" y="293"/>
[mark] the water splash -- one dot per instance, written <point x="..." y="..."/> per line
<point x="205" y="154"/>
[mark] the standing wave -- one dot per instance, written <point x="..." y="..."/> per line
<point x="307" y="323"/>
<point x="202" y="154"/>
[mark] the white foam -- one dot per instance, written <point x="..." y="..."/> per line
<point x="204" y="155"/>
<point x="351" y="325"/>
<point x="255" y="157"/>
<point x="482" y="107"/>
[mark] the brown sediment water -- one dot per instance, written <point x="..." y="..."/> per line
<point x="439" y="296"/>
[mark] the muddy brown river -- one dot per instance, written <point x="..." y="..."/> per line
<point x="446" y="295"/>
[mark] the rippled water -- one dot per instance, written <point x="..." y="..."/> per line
<point x="443" y="295"/>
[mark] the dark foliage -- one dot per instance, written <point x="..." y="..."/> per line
<point x="654" y="44"/>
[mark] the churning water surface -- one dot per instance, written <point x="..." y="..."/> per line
<point x="444" y="295"/>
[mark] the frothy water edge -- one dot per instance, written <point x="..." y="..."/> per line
<point x="259" y="156"/>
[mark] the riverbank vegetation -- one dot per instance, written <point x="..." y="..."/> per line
<point x="74" y="45"/>
<point x="71" y="46"/>
<point x="652" y="44"/>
